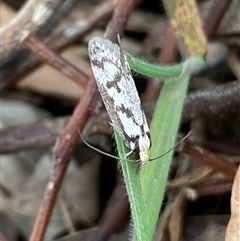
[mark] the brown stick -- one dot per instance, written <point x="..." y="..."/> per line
<point x="215" y="16"/>
<point x="51" y="58"/>
<point x="69" y="136"/>
<point x="211" y="159"/>
<point x="63" y="152"/>
<point x="224" y="99"/>
<point x="167" y="56"/>
<point x="58" y="42"/>
<point x="34" y="16"/>
<point x="213" y="188"/>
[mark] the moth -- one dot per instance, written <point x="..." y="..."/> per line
<point x="119" y="94"/>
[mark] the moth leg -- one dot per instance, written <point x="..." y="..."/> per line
<point x="128" y="154"/>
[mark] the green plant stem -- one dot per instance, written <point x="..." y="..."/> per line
<point x="165" y="73"/>
<point x="154" y="71"/>
<point x="134" y="190"/>
<point x="164" y="128"/>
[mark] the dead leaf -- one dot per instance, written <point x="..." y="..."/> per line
<point x="233" y="227"/>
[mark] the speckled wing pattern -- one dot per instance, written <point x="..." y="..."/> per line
<point x="119" y="93"/>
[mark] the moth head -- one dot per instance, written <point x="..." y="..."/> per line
<point x="144" y="157"/>
<point x="144" y="144"/>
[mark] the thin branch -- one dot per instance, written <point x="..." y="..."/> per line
<point x="35" y="16"/>
<point x="215" y="16"/>
<point x="56" y="61"/>
<point x="224" y="99"/>
<point x="119" y="19"/>
<point x="221" y="100"/>
<point x="62" y="155"/>
<point x="69" y="136"/>
<point x="213" y="188"/>
<point x="210" y="159"/>
<point x="74" y="32"/>
<point x="221" y="146"/>
<point x="167" y="55"/>
<point x="32" y="135"/>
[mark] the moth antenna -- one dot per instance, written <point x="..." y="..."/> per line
<point x="103" y="152"/>
<point x="184" y="138"/>
<point x="119" y="39"/>
<point x="122" y="58"/>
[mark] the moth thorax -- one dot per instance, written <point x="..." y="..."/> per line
<point x="144" y="146"/>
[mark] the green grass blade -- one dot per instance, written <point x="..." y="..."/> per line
<point x="163" y="129"/>
<point x="153" y="177"/>
<point x="134" y="190"/>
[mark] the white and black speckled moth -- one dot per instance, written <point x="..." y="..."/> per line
<point x="119" y="94"/>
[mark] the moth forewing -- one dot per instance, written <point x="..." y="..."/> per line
<point x="119" y="94"/>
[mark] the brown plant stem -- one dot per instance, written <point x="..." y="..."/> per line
<point x="69" y="137"/>
<point x="51" y="58"/>
<point x="64" y="149"/>
<point x="212" y="102"/>
<point x="213" y="188"/>
<point x="224" y="99"/>
<point x="215" y="16"/>
<point x="210" y="159"/>
<point x="32" y="135"/>
<point x="167" y="56"/>
<point x="221" y="146"/>
<point x="35" y="16"/>
<point x="58" y="42"/>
